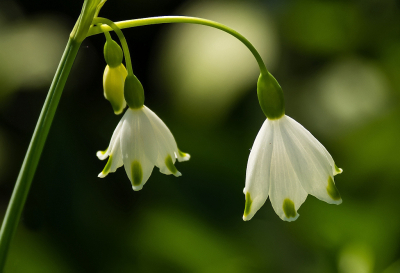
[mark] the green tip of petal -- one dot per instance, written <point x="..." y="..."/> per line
<point x="137" y="173"/>
<point x="338" y="170"/>
<point x="184" y="156"/>
<point x="247" y="207"/>
<point x="100" y="154"/>
<point x="107" y="168"/>
<point x="171" y="167"/>
<point x="333" y="191"/>
<point x="289" y="210"/>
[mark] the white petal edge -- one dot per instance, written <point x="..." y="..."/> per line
<point x="257" y="173"/>
<point x="104" y="154"/>
<point x="306" y="134"/>
<point x="310" y="162"/>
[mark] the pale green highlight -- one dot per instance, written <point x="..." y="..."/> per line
<point x="288" y="208"/>
<point x="137" y="173"/>
<point x="170" y="165"/>
<point x="332" y="190"/>
<point x="247" y="206"/>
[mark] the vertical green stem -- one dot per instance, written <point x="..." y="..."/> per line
<point x="34" y="152"/>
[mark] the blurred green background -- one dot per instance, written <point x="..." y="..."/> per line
<point x="339" y="65"/>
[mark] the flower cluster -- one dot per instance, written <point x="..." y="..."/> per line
<point x="285" y="164"/>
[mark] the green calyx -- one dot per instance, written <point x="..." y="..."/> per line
<point x="270" y="96"/>
<point x="133" y="92"/>
<point x="89" y="11"/>
<point x="112" y="53"/>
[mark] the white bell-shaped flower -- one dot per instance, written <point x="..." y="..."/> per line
<point x="140" y="142"/>
<point x="287" y="163"/>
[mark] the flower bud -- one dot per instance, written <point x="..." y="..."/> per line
<point x="113" y="84"/>
<point x="112" y="53"/>
<point x="134" y="93"/>
<point x="270" y="96"/>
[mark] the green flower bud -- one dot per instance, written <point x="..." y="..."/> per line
<point x="134" y="93"/>
<point x="270" y="96"/>
<point x="112" y="53"/>
<point x="113" y="84"/>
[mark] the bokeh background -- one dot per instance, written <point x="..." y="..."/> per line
<point x="339" y="65"/>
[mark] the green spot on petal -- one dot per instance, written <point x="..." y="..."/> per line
<point x="107" y="168"/>
<point x="170" y="165"/>
<point x="288" y="208"/>
<point x="332" y="190"/>
<point x="338" y="170"/>
<point x="137" y="173"/>
<point x="247" y="207"/>
<point x="181" y="154"/>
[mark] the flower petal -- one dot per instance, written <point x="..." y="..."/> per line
<point x="181" y="156"/>
<point x="114" y="160"/>
<point x="310" y="161"/>
<point x="104" y="154"/>
<point x="258" y="170"/>
<point x="167" y="148"/>
<point x="305" y="134"/>
<point x="167" y="143"/>
<point x="286" y="192"/>
<point x="138" y="145"/>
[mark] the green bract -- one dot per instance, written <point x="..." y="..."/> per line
<point x="134" y="93"/>
<point x="270" y="96"/>
<point x="89" y="10"/>
<point x="112" y="53"/>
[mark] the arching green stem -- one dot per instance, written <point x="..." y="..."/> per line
<point x="113" y="26"/>
<point x="108" y="36"/>
<point x="178" y="19"/>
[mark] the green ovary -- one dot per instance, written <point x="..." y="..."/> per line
<point x="137" y="173"/>
<point x="170" y="165"/>
<point x="332" y="190"/>
<point x="288" y="208"/>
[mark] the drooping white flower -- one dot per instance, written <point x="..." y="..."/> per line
<point x="287" y="163"/>
<point x="140" y="142"/>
